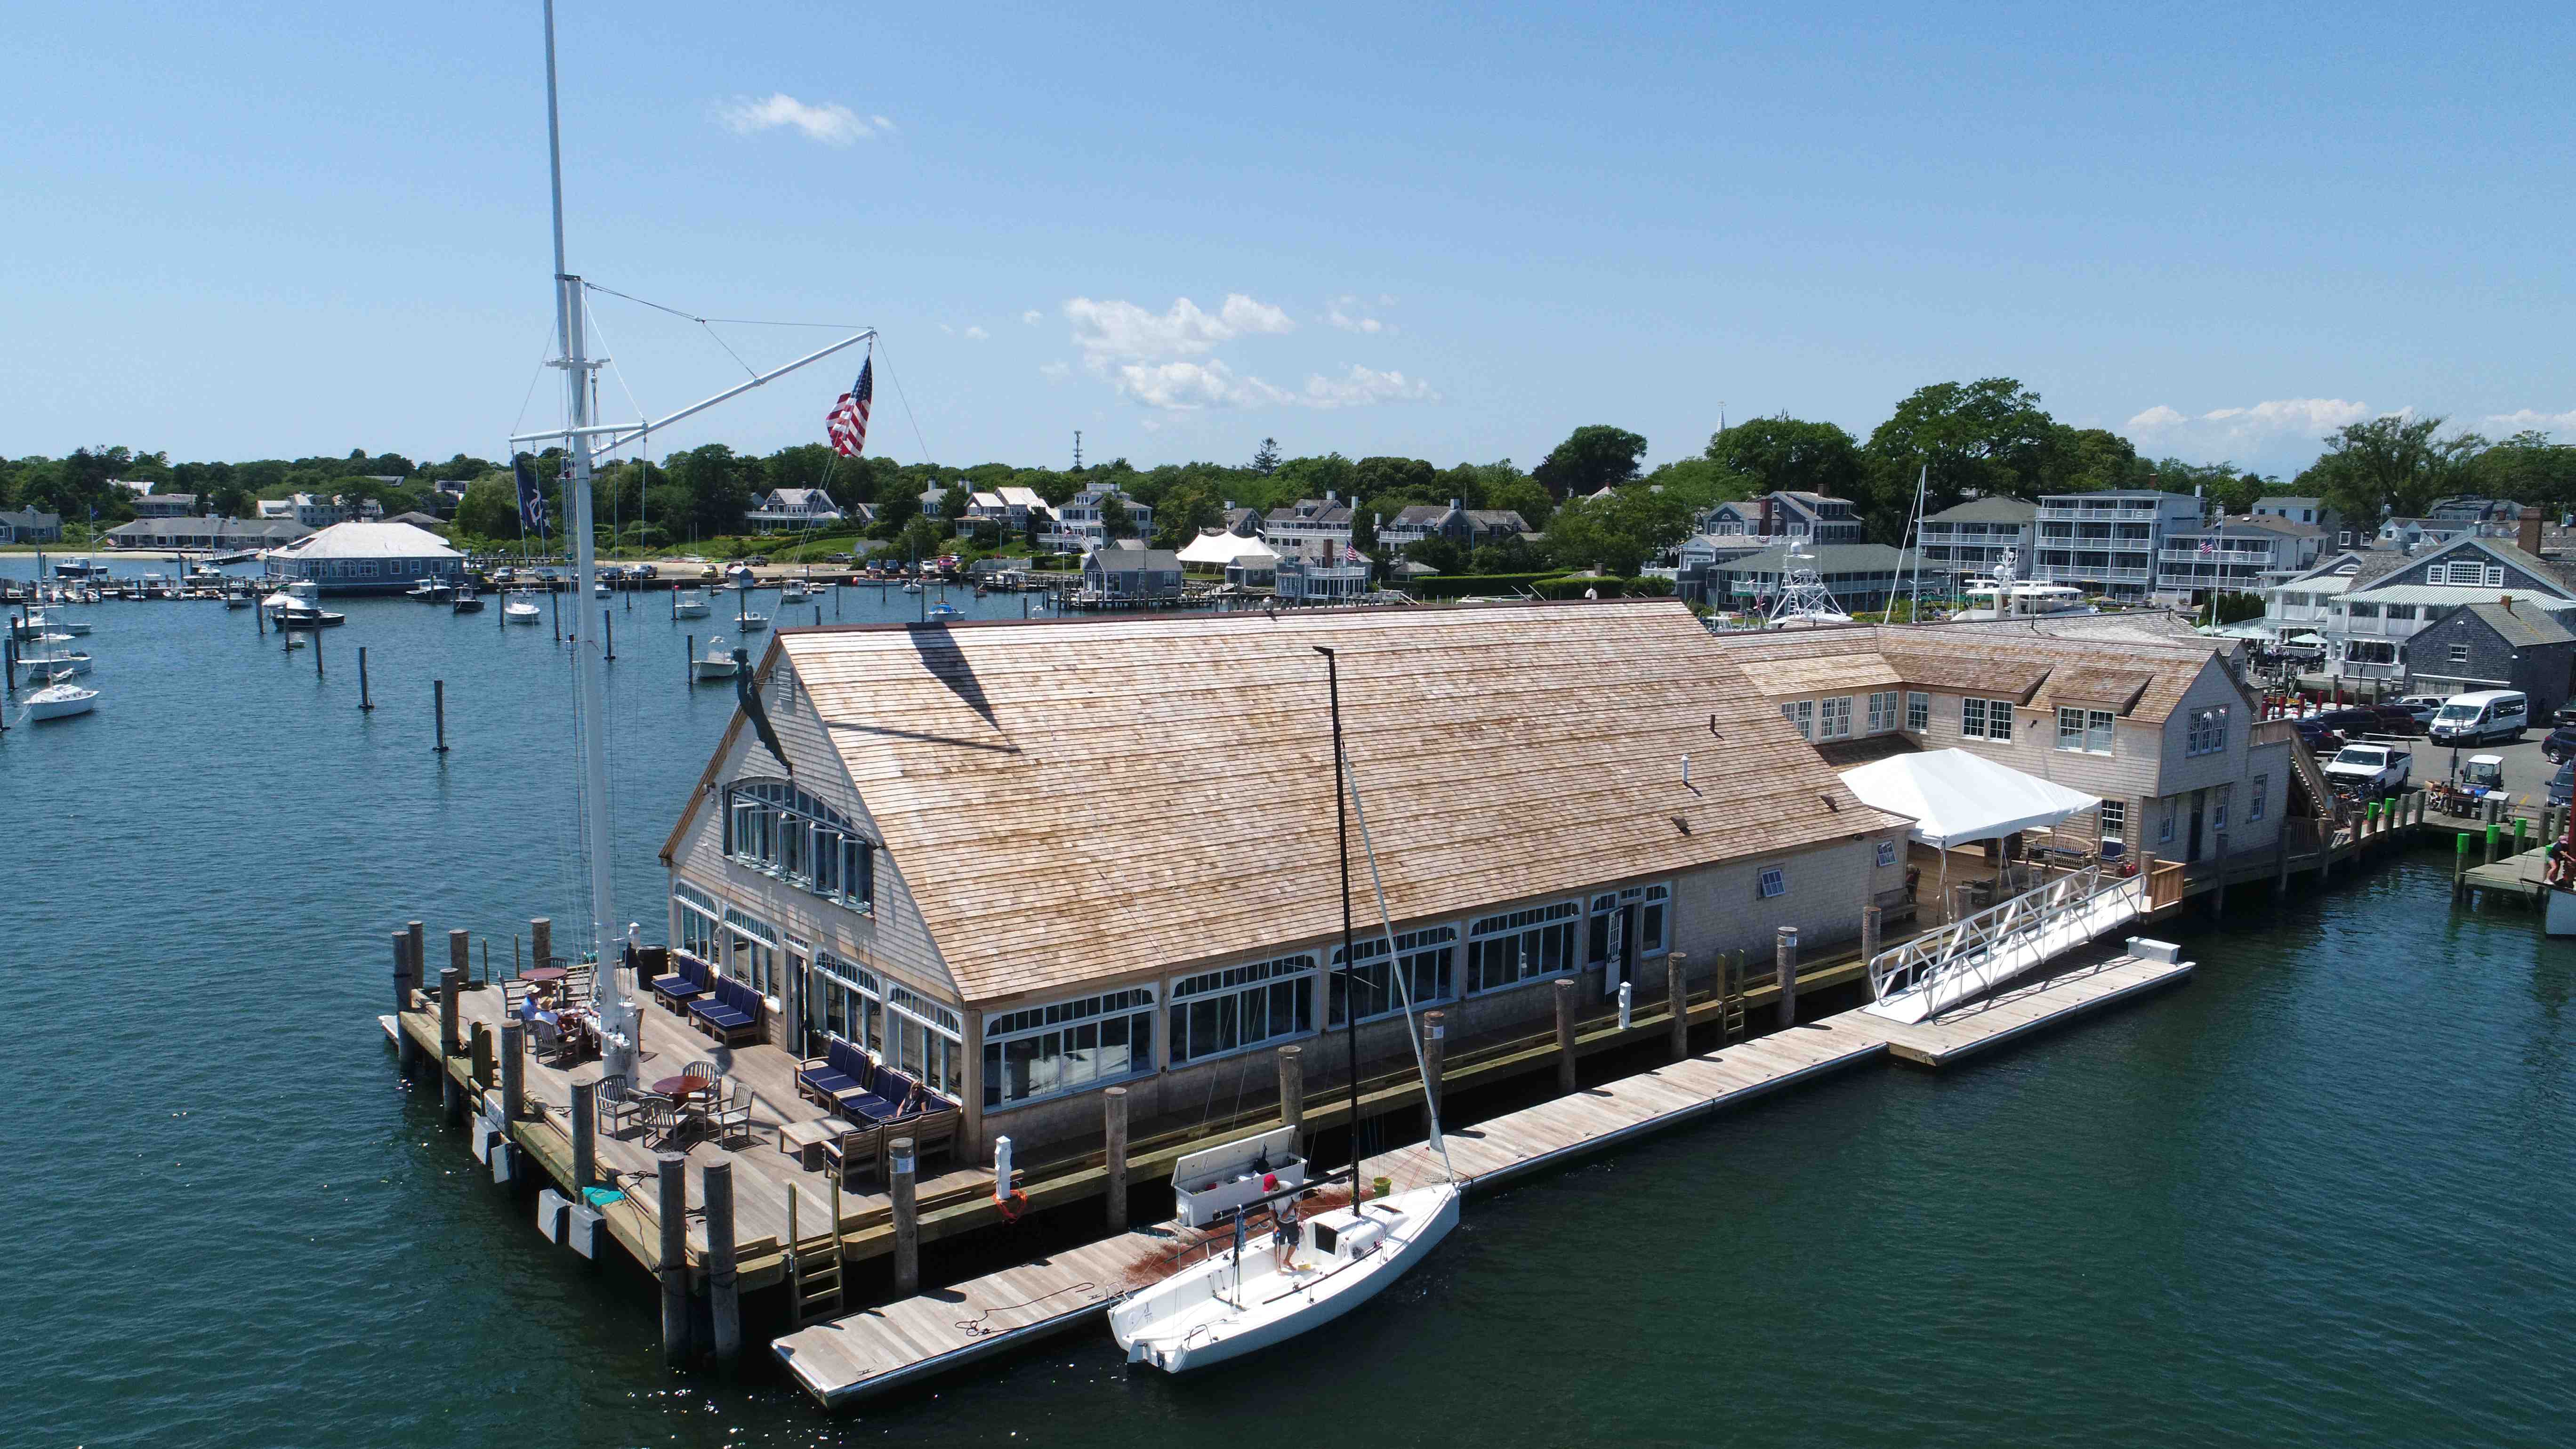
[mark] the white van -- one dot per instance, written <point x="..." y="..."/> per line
<point x="2474" y="719"/>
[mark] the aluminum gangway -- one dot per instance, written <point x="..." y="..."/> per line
<point x="1975" y="954"/>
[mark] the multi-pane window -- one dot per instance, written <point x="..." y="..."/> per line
<point x="1801" y="715"/>
<point x="2218" y="811"/>
<point x="1972" y="718"/>
<point x="2459" y="654"/>
<point x="1215" y="1012"/>
<point x="2254" y="806"/>
<point x="774" y="827"/>
<point x="1834" y="722"/>
<point x="755" y="951"/>
<point x="1425" y="957"/>
<point x="2084" y="729"/>
<point x="2206" y="731"/>
<point x="846" y="1000"/>
<point x="1999" y="719"/>
<point x="922" y="1038"/>
<point x="2115" y="820"/>
<point x="1887" y="852"/>
<point x="1774" y="882"/>
<point x="1504" y="950"/>
<point x="698" y="914"/>
<point x="1651" y="903"/>
<point x="1882" y="711"/>
<point x="1068" y="1045"/>
<point x="1918" y="711"/>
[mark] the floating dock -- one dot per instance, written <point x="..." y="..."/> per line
<point x="880" y="1349"/>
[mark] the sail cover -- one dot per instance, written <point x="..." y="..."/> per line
<point x="1955" y="796"/>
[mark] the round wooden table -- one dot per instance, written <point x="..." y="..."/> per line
<point x="683" y="1087"/>
<point x="543" y="975"/>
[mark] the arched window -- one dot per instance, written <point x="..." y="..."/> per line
<point x="771" y="826"/>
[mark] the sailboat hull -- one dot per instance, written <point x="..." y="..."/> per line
<point x="1225" y="1308"/>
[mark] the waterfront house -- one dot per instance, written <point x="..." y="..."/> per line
<point x="974" y="856"/>
<point x="2391" y="597"/>
<point x="1785" y="514"/>
<point x="1974" y="535"/>
<point x="2304" y="603"/>
<point x="1459" y="524"/>
<point x="1151" y="574"/>
<point x="29" y="525"/>
<point x="1312" y="530"/>
<point x="1298" y="579"/>
<point x="165" y="505"/>
<point x="792" y="508"/>
<point x="2162" y="728"/>
<point x="2412" y="535"/>
<point x="2295" y="509"/>
<point x="365" y="558"/>
<point x="2237" y="555"/>
<point x="2107" y="543"/>
<point x="218" y="534"/>
<point x="2502" y="645"/>
<point x="1014" y="510"/>
<point x="1080" y="524"/>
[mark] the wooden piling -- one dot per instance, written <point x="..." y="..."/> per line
<point x="2218" y="892"/>
<point x="1113" y="1130"/>
<point x="671" y="1171"/>
<point x="585" y="1136"/>
<point x="608" y="635"/>
<point x="413" y="943"/>
<point x="1871" y="928"/>
<point x="1292" y="1086"/>
<point x="402" y="972"/>
<point x="2495" y="833"/>
<point x="1564" y="1035"/>
<point x="2459" y="866"/>
<point x="365" y="702"/>
<point x="1788" y="959"/>
<point x="1435" y="1051"/>
<point x="438" y="713"/>
<point x="541" y="941"/>
<point x="1677" y="1001"/>
<point x="723" y="1285"/>
<point x="514" y="1067"/>
<point x="907" y="1218"/>
<point x="451" y="984"/>
<point x="317" y="651"/>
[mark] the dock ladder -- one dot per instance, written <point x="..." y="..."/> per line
<point x="1730" y="999"/>
<point x="814" y="1276"/>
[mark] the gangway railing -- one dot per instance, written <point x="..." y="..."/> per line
<point x="2072" y="904"/>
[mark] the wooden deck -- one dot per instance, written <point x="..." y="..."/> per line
<point x="883" y="1348"/>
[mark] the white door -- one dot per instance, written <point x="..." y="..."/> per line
<point x="1616" y="969"/>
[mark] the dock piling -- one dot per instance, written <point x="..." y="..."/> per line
<point x="541" y="940"/>
<point x="671" y="1264"/>
<point x="451" y="984"/>
<point x="365" y="701"/>
<point x="514" y="1067"/>
<point x="1788" y="959"/>
<point x="585" y="1137"/>
<point x="2459" y="866"/>
<point x="317" y="652"/>
<point x="1564" y="1035"/>
<point x="608" y="634"/>
<point x="818" y="616"/>
<point x="723" y="1295"/>
<point x="1435" y="1050"/>
<point x="1113" y="1111"/>
<point x="1626" y="996"/>
<point x="1292" y="1086"/>
<point x="1677" y="1000"/>
<point x="438" y="713"/>
<point x="907" y="1218"/>
<point x="402" y="971"/>
<point x="1871" y="929"/>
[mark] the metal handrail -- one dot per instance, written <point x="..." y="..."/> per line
<point x="1971" y="940"/>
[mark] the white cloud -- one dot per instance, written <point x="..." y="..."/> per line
<point x="976" y="334"/>
<point x="1111" y="331"/>
<point x="2527" y="420"/>
<point x="1189" y="386"/>
<point x="2242" y="431"/>
<point x="1033" y="316"/>
<point x="1362" y="386"/>
<point x="1344" y="312"/>
<point x="831" y="123"/>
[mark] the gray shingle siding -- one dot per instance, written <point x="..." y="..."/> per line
<point x="2538" y="670"/>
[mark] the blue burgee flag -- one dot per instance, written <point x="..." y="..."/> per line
<point x="532" y="499"/>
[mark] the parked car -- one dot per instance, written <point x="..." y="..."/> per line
<point x="2318" y="739"/>
<point x="2562" y="786"/>
<point x="2372" y="769"/>
<point x="2561" y="744"/>
<point x="2487" y="714"/>
<point x="2422" y="706"/>
<point x="2352" y="719"/>
<point x="643" y="571"/>
<point x="2397" y="720"/>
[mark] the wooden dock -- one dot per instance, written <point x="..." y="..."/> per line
<point x="884" y="1348"/>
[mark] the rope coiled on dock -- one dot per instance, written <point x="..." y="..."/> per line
<point x="974" y="1327"/>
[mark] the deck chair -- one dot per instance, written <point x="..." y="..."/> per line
<point x="732" y="1118"/>
<point x="861" y="1149"/>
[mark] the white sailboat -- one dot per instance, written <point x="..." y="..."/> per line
<point x="1245" y="1298"/>
<point x="60" y="700"/>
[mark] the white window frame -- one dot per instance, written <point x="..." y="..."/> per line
<point x="1882" y="710"/>
<point x="1972" y="718"/>
<point x="864" y="1015"/>
<point x="1230" y="984"/>
<point x="1833" y="720"/>
<point x="913" y="1019"/>
<point x="2262" y="791"/>
<point x="2113" y="821"/>
<point x="1415" y="950"/>
<point x="2205" y="731"/>
<point x="752" y="954"/>
<point x="1127" y="1009"/>
<point x="1801" y="715"/>
<point x="1999" y="720"/>
<point x="1529" y="929"/>
<point x="2459" y="654"/>
<point x="699" y="923"/>
<point x="1918" y="712"/>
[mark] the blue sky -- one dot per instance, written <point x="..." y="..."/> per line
<point x="242" y="230"/>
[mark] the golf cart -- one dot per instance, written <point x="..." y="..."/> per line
<point x="2479" y="780"/>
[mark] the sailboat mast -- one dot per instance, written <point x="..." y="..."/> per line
<point x="571" y="328"/>
<point x="1342" y="840"/>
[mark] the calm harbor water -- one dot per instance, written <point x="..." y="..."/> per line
<point x="2320" y="1195"/>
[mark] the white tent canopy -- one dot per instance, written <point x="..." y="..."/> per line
<point x="1228" y="548"/>
<point x="1955" y="796"/>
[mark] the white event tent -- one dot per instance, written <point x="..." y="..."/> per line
<point x="1955" y="796"/>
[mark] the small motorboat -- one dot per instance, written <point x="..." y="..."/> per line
<point x="717" y="663"/>
<point x="466" y="601"/>
<point x="517" y="610"/>
<point x="943" y="610"/>
<point x="911" y="586"/>
<point x="58" y="663"/>
<point x="432" y="591"/>
<point x="237" y="601"/>
<point x="53" y="623"/>
<point x="601" y="590"/>
<point x="60" y="700"/>
<point x="689" y="605"/>
<point x="750" y="623"/>
<point x="793" y="590"/>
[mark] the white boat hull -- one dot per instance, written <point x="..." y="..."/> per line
<point x="38" y="668"/>
<point x="2559" y="916"/>
<point x="61" y="701"/>
<point x="690" y="611"/>
<point x="712" y="669"/>
<point x="520" y="613"/>
<point x="1225" y="1308"/>
<point x="751" y="623"/>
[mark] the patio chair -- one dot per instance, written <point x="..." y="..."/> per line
<point x="861" y="1149"/>
<point x="618" y="1104"/>
<point x="733" y="1118"/>
<point x="708" y="1070"/>
<point x="549" y="1038"/>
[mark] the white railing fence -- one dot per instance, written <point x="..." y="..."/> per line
<point x="1967" y="943"/>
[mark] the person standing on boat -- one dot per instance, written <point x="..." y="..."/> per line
<point x="1283" y="1237"/>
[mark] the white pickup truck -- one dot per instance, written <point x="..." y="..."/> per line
<point x="2371" y="769"/>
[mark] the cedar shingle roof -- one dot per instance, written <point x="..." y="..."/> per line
<point x="1503" y="754"/>
<point x="2144" y="680"/>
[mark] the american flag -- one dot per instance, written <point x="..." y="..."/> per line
<point x="847" y="422"/>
